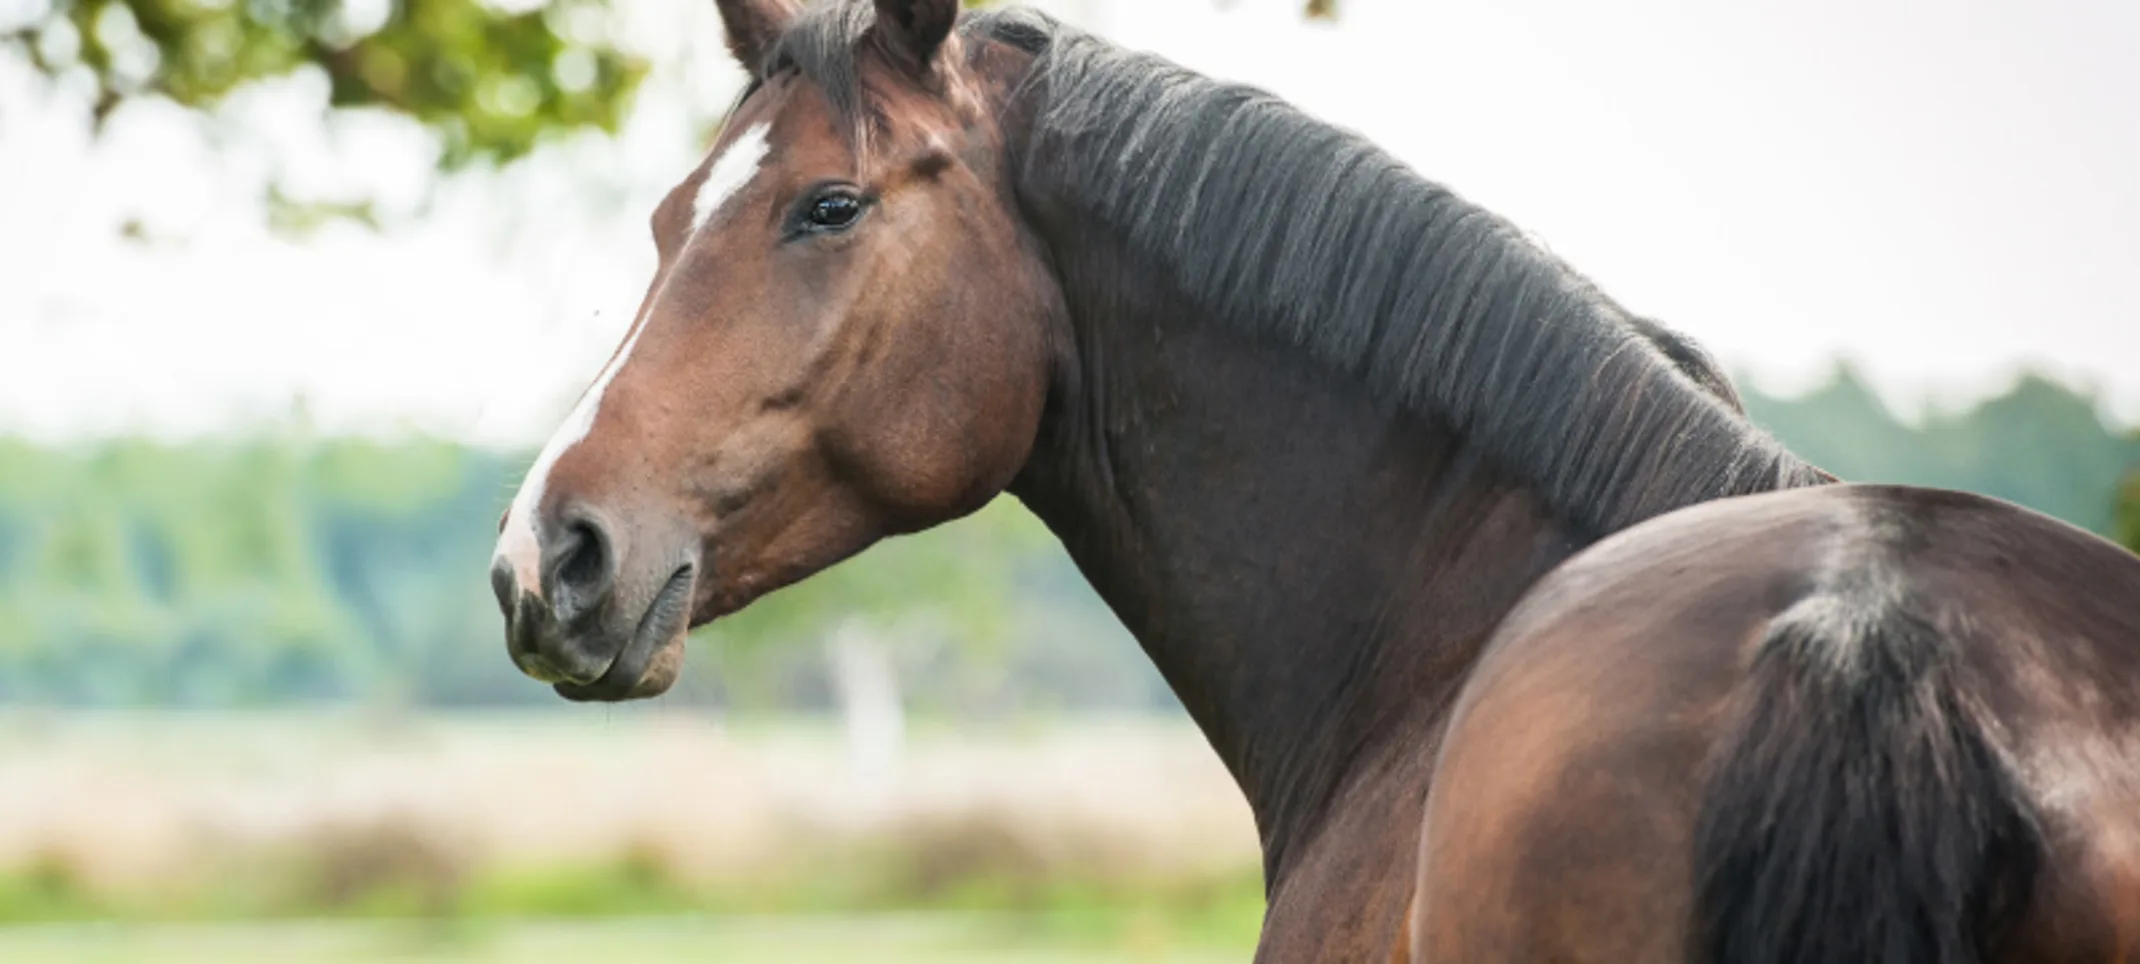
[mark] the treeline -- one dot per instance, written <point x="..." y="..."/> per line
<point x="227" y="573"/>
<point x="2039" y="444"/>
<point x="287" y="568"/>
<point x="2128" y="531"/>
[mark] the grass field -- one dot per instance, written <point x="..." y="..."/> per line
<point x="936" y="939"/>
<point x="616" y="838"/>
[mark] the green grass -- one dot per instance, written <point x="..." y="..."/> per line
<point x="776" y="866"/>
<point x="1066" y="905"/>
<point x="935" y="938"/>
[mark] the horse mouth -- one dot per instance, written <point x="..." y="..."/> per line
<point x="660" y="631"/>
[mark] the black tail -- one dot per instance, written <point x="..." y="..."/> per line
<point x="1854" y="811"/>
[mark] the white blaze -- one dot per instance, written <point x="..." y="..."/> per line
<point x="518" y="543"/>
<point x="735" y="168"/>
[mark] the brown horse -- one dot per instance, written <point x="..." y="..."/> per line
<point x="1414" y="520"/>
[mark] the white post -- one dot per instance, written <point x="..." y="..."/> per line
<point x="866" y="683"/>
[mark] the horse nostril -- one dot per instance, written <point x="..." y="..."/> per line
<point x="581" y="568"/>
<point x="585" y="563"/>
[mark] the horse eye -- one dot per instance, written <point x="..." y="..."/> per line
<point x="835" y="212"/>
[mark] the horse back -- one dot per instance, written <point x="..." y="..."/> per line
<point x="2050" y="620"/>
<point x="1850" y="722"/>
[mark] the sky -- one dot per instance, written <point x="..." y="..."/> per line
<point x="1941" y="192"/>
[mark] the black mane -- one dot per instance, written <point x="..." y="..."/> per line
<point x="1297" y="230"/>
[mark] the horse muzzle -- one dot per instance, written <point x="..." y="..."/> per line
<point x="593" y="625"/>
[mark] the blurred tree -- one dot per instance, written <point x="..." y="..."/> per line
<point x="490" y="82"/>
<point x="489" y="79"/>
<point x="1844" y="427"/>
<point x="284" y="567"/>
<point x="2038" y="444"/>
<point x="2129" y="511"/>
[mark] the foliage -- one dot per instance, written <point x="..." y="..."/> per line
<point x="2039" y="444"/>
<point x="2128" y="530"/>
<point x="225" y="573"/>
<point x="490" y="79"/>
<point x="285" y="568"/>
<point x="489" y="82"/>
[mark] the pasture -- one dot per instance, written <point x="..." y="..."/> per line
<point x="651" y="836"/>
<point x="620" y="941"/>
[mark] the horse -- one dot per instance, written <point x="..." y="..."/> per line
<point x="1521" y="642"/>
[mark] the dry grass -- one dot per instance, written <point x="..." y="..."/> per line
<point x="602" y="812"/>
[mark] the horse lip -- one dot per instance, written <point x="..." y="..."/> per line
<point x="656" y="626"/>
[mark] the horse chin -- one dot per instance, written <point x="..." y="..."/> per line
<point x="663" y="666"/>
<point x="653" y="657"/>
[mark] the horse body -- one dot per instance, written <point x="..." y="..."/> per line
<point x="1849" y="723"/>
<point x="1414" y="520"/>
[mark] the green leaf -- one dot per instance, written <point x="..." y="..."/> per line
<point x="491" y="84"/>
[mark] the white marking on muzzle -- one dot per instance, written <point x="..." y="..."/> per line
<point x="519" y="544"/>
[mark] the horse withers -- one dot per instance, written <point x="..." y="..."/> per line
<point x="1520" y="640"/>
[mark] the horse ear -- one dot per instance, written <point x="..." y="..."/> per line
<point x="914" y="30"/>
<point x="753" y="26"/>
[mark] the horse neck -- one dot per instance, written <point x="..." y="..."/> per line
<point x="1312" y="572"/>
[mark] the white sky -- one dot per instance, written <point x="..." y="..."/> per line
<point x="1939" y="190"/>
